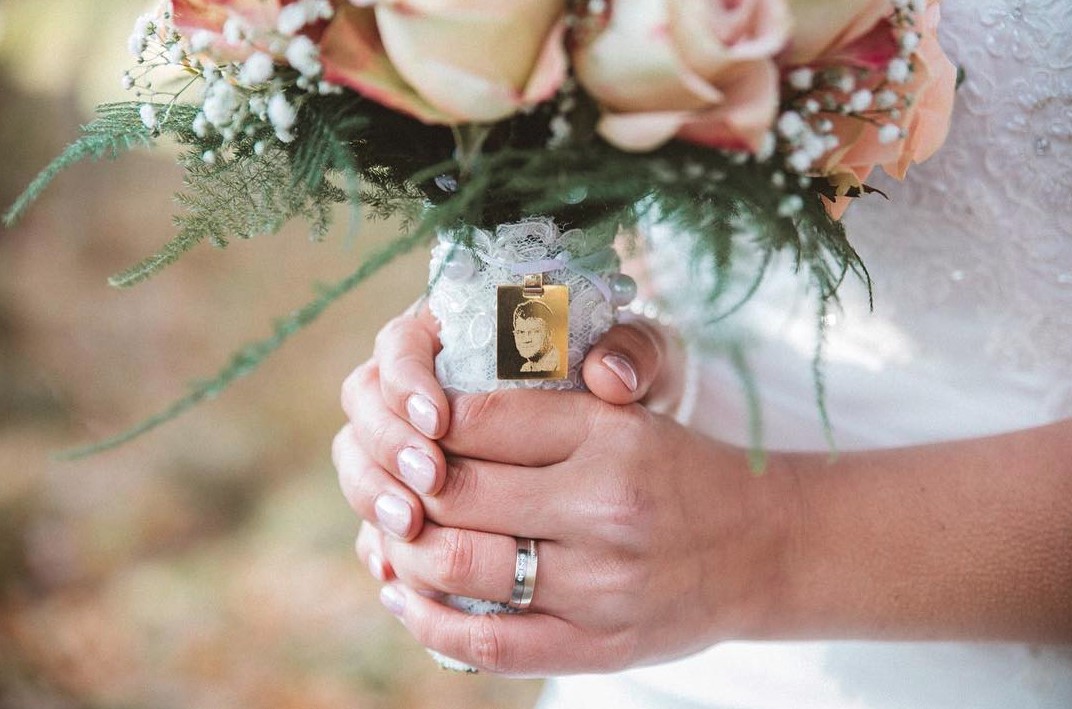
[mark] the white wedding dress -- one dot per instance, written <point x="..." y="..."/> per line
<point x="971" y="335"/>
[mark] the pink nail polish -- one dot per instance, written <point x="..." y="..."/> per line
<point x="393" y="600"/>
<point x="394" y="514"/>
<point x="377" y="568"/>
<point x="623" y="368"/>
<point x="417" y="470"/>
<point x="422" y="414"/>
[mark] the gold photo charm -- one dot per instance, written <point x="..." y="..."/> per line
<point x="533" y="329"/>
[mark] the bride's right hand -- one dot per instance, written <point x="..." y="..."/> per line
<point x="397" y="411"/>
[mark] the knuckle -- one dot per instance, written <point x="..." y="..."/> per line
<point x="380" y="436"/>
<point x="391" y="332"/>
<point x="355" y="383"/>
<point x="469" y="410"/>
<point x="624" y="508"/>
<point x="454" y="557"/>
<point x="635" y="340"/>
<point x="485" y="644"/>
<point x="397" y="377"/>
<point x="460" y="487"/>
<point x="359" y="489"/>
<point x="340" y="447"/>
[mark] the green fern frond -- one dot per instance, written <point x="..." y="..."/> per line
<point x="118" y="129"/>
<point x="248" y="358"/>
<point x="243" y="197"/>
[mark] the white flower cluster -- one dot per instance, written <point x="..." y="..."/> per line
<point x="257" y="97"/>
<point x="805" y="132"/>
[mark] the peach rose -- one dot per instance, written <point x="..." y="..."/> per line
<point x="924" y="124"/>
<point x="203" y="23"/>
<point x="698" y="70"/>
<point x="449" y="61"/>
<point x="821" y="27"/>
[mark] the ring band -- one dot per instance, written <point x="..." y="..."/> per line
<point x="524" y="574"/>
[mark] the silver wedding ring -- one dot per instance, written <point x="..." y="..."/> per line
<point x="524" y="574"/>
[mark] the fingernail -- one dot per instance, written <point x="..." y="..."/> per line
<point x="417" y="469"/>
<point x="394" y="514"/>
<point x="621" y="366"/>
<point x="393" y="600"/>
<point x="422" y="414"/>
<point x="376" y="567"/>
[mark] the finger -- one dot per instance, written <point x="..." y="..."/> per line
<point x="405" y="352"/>
<point x="457" y="561"/>
<point x="373" y="493"/>
<point x="520" y="426"/>
<point x="623" y="365"/>
<point x="369" y="548"/>
<point x="391" y="441"/>
<point x="526" y="644"/>
<point x="538" y="503"/>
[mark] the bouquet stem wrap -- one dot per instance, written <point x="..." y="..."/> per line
<point x="467" y="268"/>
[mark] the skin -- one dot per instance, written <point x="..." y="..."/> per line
<point x="669" y="540"/>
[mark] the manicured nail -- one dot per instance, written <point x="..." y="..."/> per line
<point x="417" y="469"/>
<point x="393" y="600"/>
<point x="422" y="414"/>
<point x="377" y="567"/>
<point x="394" y="514"/>
<point x="621" y="366"/>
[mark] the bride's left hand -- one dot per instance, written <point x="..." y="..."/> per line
<point x="654" y="541"/>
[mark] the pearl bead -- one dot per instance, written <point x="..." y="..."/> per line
<point x="460" y="266"/>
<point x="623" y="289"/>
<point x="447" y="183"/>
<point x="575" y="195"/>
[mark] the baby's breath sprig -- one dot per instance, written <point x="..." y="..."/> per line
<point x="258" y="96"/>
<point x="815" y="97"/>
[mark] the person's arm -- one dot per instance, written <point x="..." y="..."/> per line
<point x="656" y="541"/>
<point x="960" y="540"/>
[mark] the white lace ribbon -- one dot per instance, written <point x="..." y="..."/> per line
<point x="563" y="260"/>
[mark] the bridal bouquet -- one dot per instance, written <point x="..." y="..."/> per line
<point x="521" y="138"/>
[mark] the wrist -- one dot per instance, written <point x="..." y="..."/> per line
<point x="757" y="602"/>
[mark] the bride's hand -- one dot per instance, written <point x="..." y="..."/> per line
<point x="621" y="500"/>
<point x="653" y="541"/>
<point x="397" y="410"/>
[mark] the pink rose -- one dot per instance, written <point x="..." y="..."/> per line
<point x="449" y="61"/>
<point x="924" y="124"/>
<point x="699" y="70"/>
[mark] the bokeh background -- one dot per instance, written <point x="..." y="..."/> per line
<point x="209" y="564"/>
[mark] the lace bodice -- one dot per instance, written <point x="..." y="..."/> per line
<point x="973" y="259"/>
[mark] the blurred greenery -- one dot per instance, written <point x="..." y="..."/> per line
<point x="209" y="564"/>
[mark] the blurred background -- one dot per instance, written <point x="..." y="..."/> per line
<point x="210" y="563"/>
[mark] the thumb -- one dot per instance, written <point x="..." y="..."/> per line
<point x="625" y="364"/>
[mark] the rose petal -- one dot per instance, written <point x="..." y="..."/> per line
<point x="699" y="27"/>
<point x="634" y="66"/>
<point x="823" y="25"/>
<point x="460" y="93"/>
<point x="192" y="15"/>
<point x="551" y="68"/>
<point x="493" y="54"/>
<point x="353" y="56"/>
<point x="744" y="118"/>
<point x="640" y="132"/>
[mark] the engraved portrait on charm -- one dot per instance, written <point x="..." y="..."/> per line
<point x="533" y="331"/>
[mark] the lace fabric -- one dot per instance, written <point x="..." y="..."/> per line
<point x="463" y="299"/>
<point x="981" y="235"/>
